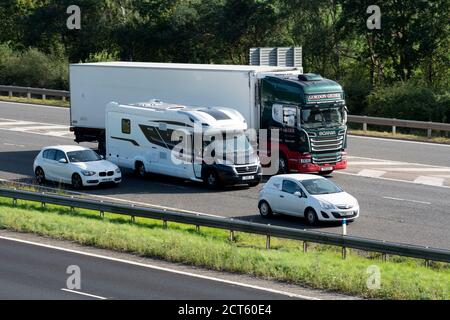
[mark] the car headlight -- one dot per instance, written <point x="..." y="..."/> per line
<point x="118" y="170"/>
<point x="88" y="173"/>
<point x="326" y="205"/>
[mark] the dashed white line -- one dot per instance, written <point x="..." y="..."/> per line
<point x="432" y="181"/>
<point x="371" y="173"/>
<point x="407" y="200"/>
<point x="84" y="294"/>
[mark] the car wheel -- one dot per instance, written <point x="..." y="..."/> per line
<point x="311" y="217"/>
<point x="77" y="182"/>
<point x="140" y="170"/>
<point x="211" y="179"/>
<point x="265" y="210"/>
<point x="40" y="176"/>
<point x="282" y="165"/>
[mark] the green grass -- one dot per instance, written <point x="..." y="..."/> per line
<point x="321" y="267"/>
<point x="48" y="102"/>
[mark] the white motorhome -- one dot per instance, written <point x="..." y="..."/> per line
<point x="197" y="143"/>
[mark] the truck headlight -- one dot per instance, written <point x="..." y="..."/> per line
<point x="88" y="173"/>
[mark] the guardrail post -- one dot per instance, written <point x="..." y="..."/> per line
<point x="232" y="235"/>
<point x="429" y="133"/>
<point x="14" y="202"/>
<point x="394" y="130"/>
<point x="165" y="224"/>
<point x="63" y="98"/>
<point x="267" y="242"/>
<point x="102" y="214"/>
<point x="29" y="94"/>
<point x="44" y="97"/>
<point x="427" y="263"/>
<point x="10" y="94"/>
<point x="133" y="219"/>
<point x="305" y="246"/>
<point x="365" y="125"/>
<point x="384" y="257"/>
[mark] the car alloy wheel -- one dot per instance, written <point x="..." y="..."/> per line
<point x="40" y="176"/>
<point x="264" y="209"/>
<point x="77" y="183"/>
<point x="311" y="217"/>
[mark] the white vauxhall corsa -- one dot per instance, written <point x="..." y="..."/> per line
<point x="74" y="165"/>
<point x="313" y="197"/>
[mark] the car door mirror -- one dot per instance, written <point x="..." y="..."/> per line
<point x="102" y="157"/>
<point x="62" y="161"/>
<point x="298" y="194"/>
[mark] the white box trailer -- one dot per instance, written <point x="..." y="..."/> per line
<point x="94" y="85"/>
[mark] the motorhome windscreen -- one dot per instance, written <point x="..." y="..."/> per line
<point x="321" y="117"/>
<point x="229" y="143"/>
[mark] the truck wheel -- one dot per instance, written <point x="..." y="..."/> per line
<point x="282" y="165"/>
<point x="77" y="182"/>
<point x="211" y="179"/>
<point x="140" y="170"/>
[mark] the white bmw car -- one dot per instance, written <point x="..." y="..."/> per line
<point x="313" y="197"/>
<point x="74" y="165"/>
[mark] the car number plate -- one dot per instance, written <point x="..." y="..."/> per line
<point x="326" y="168"/>
<point x="248" y="178"/>
<point x="107" y="180"/>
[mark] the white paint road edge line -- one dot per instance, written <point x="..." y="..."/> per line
<point x="399" y="140"/>
<point x="138" y="264"/>
<point x="84" y="294"/>
<point x="397" y="162"/>
<point x="390" y="179"/>
<point x="407" y="200"/>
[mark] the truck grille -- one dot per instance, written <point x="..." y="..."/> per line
<point x="327" y="150"/>
<point x="247" y="169"/>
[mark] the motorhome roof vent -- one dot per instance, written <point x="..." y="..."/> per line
<point x="310" y="77"/>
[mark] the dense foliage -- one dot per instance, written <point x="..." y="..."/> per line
<point x="408" y="57"/>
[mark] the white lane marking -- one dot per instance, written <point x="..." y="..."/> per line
<point x="375" y="163"/>
<point x="184" y="273"/>
<point x="15" y="123"/>
<point x="51" y="127"/>
<point x="406" y="163"/>
<point x="59" y="133"/>
<point x="13" y="145"/>
<point x="432" y="181"/>
<point x="418" y="169"/>
<point x="407" y="200"/>
<point x="371" y="173"/>
<point x="84" y="294"/>
<point x="40" y="134"/>
<point x="400" y="141"/>
<point x="387" y="179"/>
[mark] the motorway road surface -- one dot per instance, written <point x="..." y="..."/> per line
<point x="403" y="187"/>
<point x="30" y="272"/>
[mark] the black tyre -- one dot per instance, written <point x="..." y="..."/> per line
<point x="140" y="170"/>
<point x="311" y="217"/>
<point x="326" y="173"/>
<point x="77" y="182"/>
<point x="211" y="179"/>
<point x="282" y="165"/>
<point x="264" y="210"/>
<point x="40" y="176"/>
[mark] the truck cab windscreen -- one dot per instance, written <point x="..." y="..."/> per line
<point x="322" y="117"/>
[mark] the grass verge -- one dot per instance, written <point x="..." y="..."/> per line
<point x="322" y="267"/>
<point x="47" y="102"/>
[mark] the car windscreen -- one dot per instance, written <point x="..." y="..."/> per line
<point x="320" y="186"/>
<point x="83" y="156"/>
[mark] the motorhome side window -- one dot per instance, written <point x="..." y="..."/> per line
<point x="126" y="126"/>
